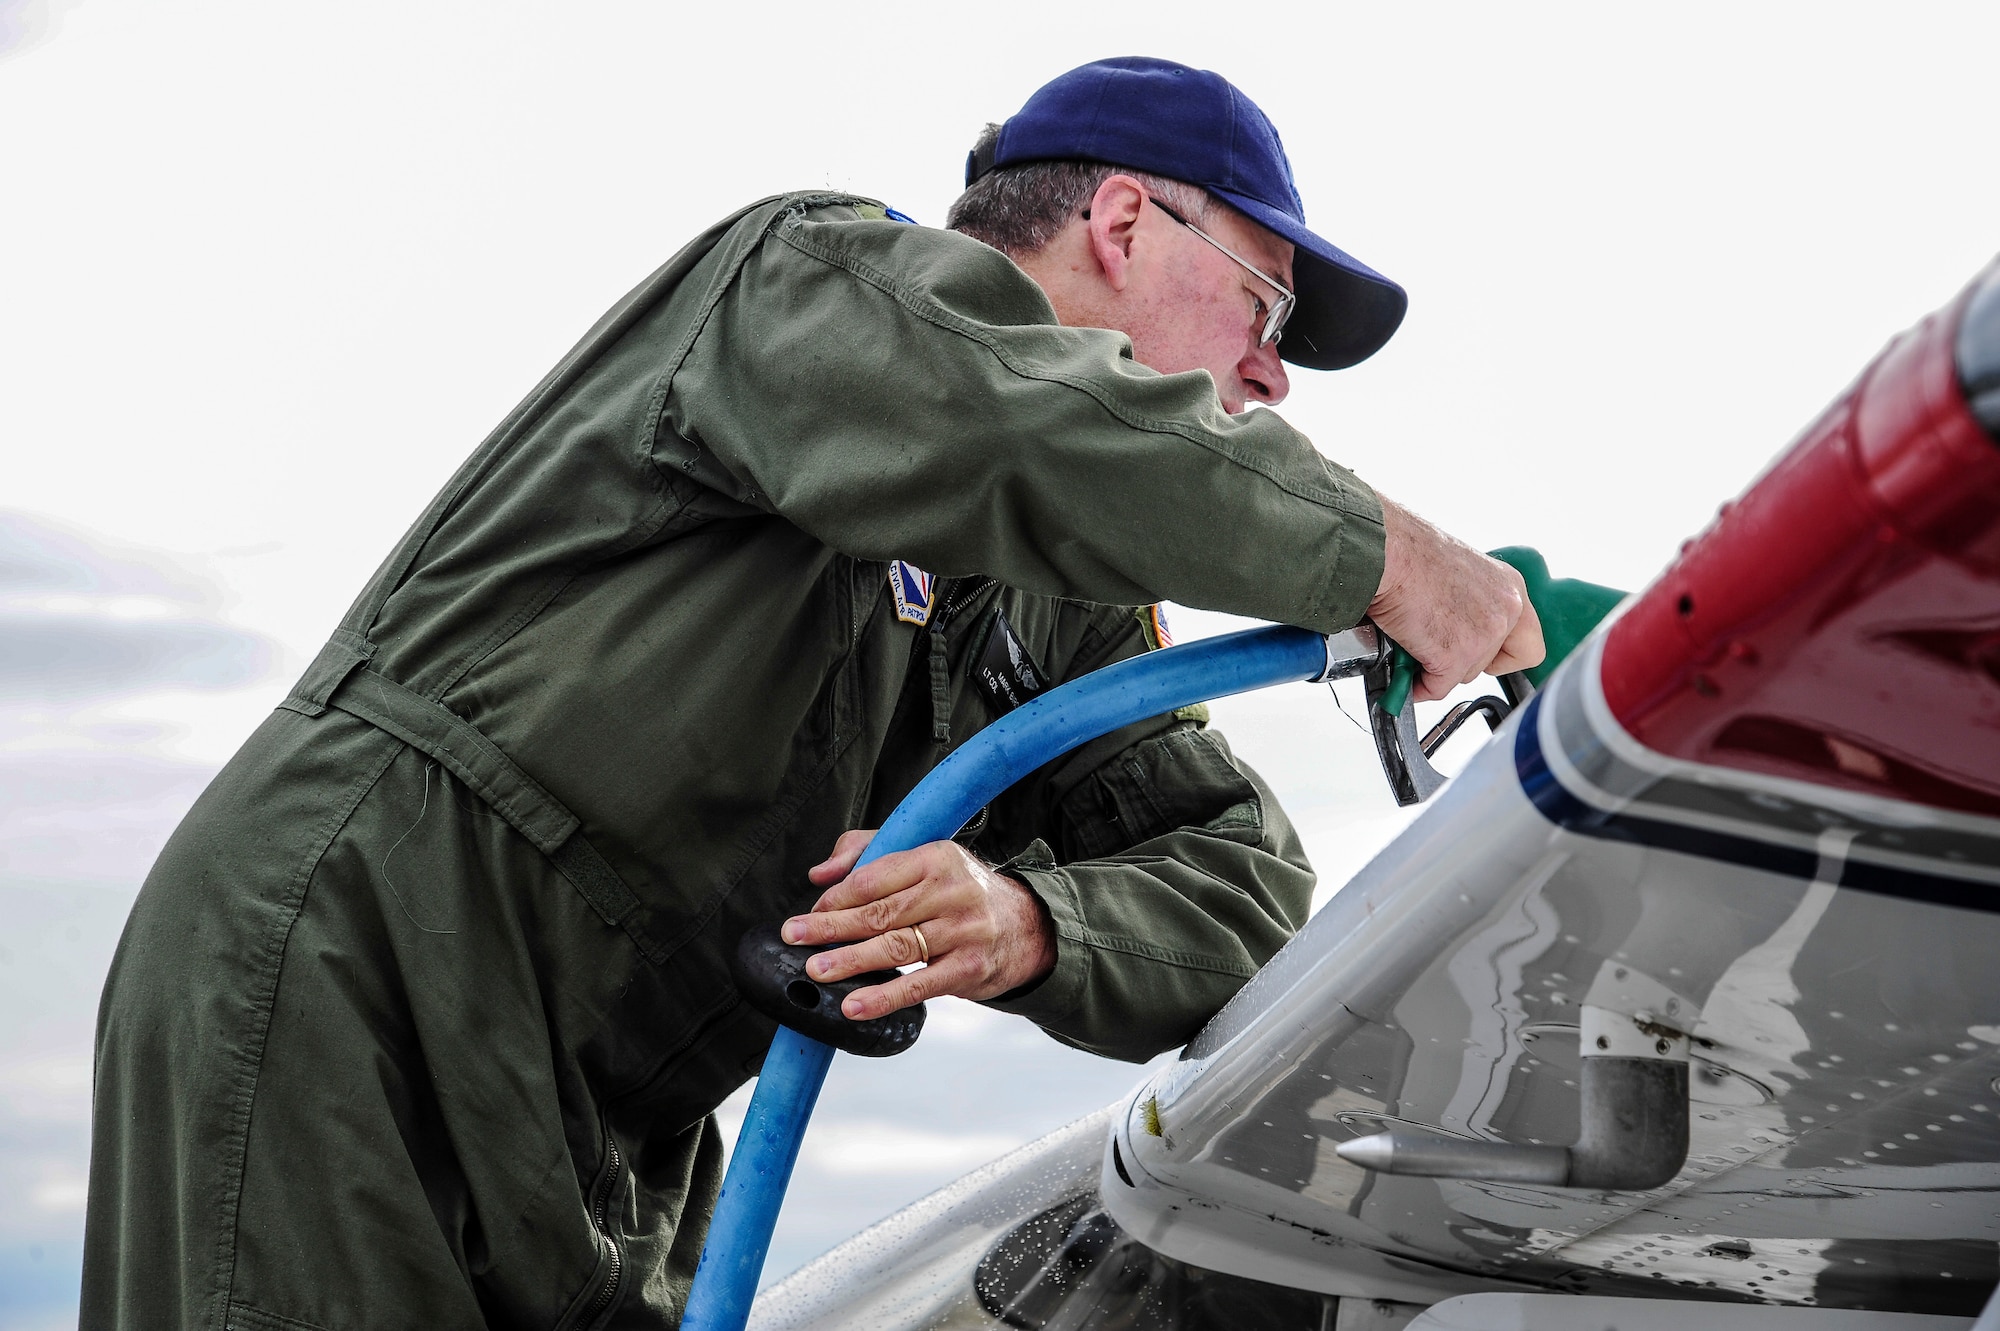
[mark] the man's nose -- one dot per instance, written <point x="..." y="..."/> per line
<point x="1263" y="374"/>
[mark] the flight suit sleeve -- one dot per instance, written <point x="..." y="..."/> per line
<point x="906" y="393"/>
<point x="1152" y="939"/>
<point x="1166" y="865"/>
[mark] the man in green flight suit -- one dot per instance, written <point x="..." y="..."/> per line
<point x="420" y="1018"/>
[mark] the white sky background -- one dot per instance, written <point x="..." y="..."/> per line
<point x="270" y="271"/>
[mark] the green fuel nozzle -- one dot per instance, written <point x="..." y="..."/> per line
<point x="1568" y="608"/>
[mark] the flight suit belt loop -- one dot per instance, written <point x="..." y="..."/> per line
<point x="343" y="651"/>
<point x="339" y="677"/>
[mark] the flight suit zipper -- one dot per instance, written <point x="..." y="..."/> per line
<point x="963" y="593"/>
<point x="600" y="1208"/>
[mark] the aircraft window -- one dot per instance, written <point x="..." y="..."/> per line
<point x="1072" y="1268"/>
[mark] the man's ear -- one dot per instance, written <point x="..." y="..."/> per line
<point x="1114" y="213"/>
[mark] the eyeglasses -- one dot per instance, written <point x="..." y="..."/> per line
<point x="1274" y="315"/>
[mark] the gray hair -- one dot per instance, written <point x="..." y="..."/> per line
<point x="1018" y="209"/>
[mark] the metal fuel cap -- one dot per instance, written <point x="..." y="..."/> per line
<point x="771" y="975"/>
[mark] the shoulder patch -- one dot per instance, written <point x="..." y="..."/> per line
<point x="1153" y="626"/>
<point x="912" y="588"/>
<point x="881" y="212"/>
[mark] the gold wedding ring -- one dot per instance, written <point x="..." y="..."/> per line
<point x="922" y="945"/>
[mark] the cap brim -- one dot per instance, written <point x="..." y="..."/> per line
<point x="1346" y="309"/>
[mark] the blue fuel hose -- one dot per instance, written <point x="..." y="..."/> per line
<point x="739" y="1236"/>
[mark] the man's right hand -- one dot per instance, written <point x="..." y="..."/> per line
<point x="1460" y="613"/>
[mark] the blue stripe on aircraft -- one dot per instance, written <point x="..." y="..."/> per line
<point x="1571" y="814"/>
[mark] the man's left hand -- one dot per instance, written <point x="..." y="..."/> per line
<point x="987" y="933"/>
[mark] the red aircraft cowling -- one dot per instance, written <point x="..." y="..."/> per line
<point x="1840" y="622"/>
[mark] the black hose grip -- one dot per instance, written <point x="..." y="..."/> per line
<point x="771" y="975"/>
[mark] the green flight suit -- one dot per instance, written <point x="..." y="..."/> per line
<point x="420" y="1017"/>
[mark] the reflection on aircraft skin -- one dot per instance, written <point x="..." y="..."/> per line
<point x="1845" y="1126"/>
<point x="1789" y="983"/>
<point x="1487" y="977"/>
<point x="1750" y="1007"/>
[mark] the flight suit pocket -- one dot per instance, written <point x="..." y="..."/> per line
<point x="1181" y="778"/>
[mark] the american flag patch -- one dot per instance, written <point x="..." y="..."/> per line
<point x="1158" y="615"/>
<point x="911" y="587"/>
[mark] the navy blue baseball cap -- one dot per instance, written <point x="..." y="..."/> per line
<point x="1194" y="125"/>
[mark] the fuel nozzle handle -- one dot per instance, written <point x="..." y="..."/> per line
<point x="1569" y="609"/>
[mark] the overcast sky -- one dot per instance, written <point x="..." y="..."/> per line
<point x="271" y="270"/>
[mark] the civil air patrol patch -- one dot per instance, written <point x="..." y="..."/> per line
<point x="912" y="588"/>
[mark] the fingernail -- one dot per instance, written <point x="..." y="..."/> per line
<point x="852" y="1009"/>
<point x="819" y="966"/>
<point x="793" y="932"/>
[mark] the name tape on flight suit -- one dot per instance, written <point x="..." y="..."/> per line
<point x="1003" y="669"/>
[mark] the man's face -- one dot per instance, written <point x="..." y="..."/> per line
<point x="1184" y="303"/>
<point x="1192" y="307"/>
<point x="1128" y="265"/>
